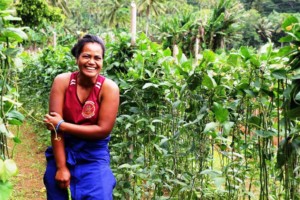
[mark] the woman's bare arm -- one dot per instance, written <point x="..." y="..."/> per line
<point x="56" y="103"/>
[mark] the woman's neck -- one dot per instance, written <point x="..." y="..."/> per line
<point x="85" y="81"/>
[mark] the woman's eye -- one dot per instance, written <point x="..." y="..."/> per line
<point x="85" y="55"/>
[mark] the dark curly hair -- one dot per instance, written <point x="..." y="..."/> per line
<point x="76" y="50"/>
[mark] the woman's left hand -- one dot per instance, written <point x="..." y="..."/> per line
<point x="52" y="118"/>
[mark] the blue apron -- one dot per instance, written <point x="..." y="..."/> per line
<point x="88" y="162"/>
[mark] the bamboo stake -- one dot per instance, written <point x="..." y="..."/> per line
<point x="54" y="39"/>
<point x="133" y="23"/>
<point x="175" y="53"/>
<point x="196" y="49"/>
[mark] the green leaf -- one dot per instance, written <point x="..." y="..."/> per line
<point x="17" y="140"/>
<point x="157" y="121"/>
<point x="220" y="112"/>
<point x="178" y="182"/>
<point x="287" y="38"/>
<point x="126" y="165"/>
<point x="199" y="118"/>
<point x="128" y="126"/>
<point x="245" y="52"/>
<point x="219" y="182"/>
<point x="233" y="59"/>
<point x="293" y="113"/>
<point x="287" y="147"/>
<point x="210" y="127"/>
<point x="265" y="134"/>
<point x="12" y="18"/>
<point x="227" y="127"/>
<point x="4" y="5"/>
<point x="15" y="115"/>
<point x="14" y="33"/>
<point x="193" y="81"/>
<point x="250" y="93"/>
<point x="12" y="52"/>
<point x="289" y="22"/>
<point x="279" y="74"/>
<point x="167" y="52"/>
<point x="209" y="82"/>
<point x="149" y="85"/>
<point x="160" y="150"/>
<point x="152" y="128"/>
<point x="212" y="173"/>
<point x="13" y="121"/>
<point x="297" y="97"/>
<point x="253" y="120"/>
<point x="176" y="104"/>
<point x="5" y="190"/>
<point x="10" y="167"/>
<point x="254" y="61"/>
<point x="209" y="55"/>
<point x="284" y="51"/>
<point x="3" y="129"/>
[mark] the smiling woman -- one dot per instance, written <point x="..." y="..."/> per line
<point x="83" y="108"/>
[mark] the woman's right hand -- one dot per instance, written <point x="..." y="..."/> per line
<point x="63" y="177"/>
<point x="51" y="120"/>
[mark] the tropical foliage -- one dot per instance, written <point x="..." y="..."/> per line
<point x="10" y="36"/>
<point x="217" y="123"/>
<point x="36" y="12"/>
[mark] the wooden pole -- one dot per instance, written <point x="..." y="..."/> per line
<point x="196" y="48"/>
<point x="133" y="23"/>
<point x="54" y="39"/>
<point x="175" y="53"/>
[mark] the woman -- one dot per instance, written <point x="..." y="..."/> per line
<point x="83" y="109"/>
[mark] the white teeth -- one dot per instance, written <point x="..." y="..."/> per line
<point x="91" y="68"/>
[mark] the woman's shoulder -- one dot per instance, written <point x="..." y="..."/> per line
<point x="110" y="84"/>
<point x="64" y="77"/>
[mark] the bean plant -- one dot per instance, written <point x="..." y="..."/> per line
<point x="213" y="128"/>
<point x="222" y="126"/>
<point x="10" y="37"/>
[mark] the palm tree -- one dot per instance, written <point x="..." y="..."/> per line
<point x="265" y="29"/>
<point x="181" y="30"/>
<point x="220" y="25"/>
<point x="154" y="7"/>
<point x="115" y="12"/>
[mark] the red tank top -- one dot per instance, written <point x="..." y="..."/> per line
<point x="82" y="113"/>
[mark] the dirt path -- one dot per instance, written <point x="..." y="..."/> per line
<point x="29" y="156"/>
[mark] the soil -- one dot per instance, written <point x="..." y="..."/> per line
<point x="30" y="160"/>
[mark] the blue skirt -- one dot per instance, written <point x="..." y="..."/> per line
<point x="91" y="179"/>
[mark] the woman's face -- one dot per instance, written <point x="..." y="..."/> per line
<point x="90" y="60"/>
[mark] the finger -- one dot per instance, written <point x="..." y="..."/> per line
<point x="68" y="183"/>
<point x="53" y="114"/>
<point x="62" y="184"/>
